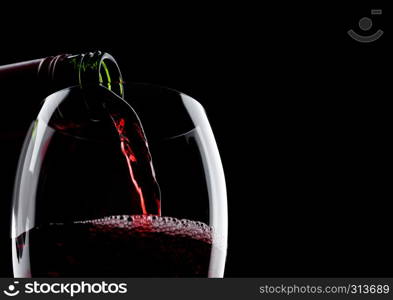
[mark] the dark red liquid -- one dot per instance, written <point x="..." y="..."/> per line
<point x="120" y="246"/>
<point x="135" y="149"/>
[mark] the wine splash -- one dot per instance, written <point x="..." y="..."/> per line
<point x="135" y="148"/>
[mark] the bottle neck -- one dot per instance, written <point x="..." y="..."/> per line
<point x="93" y="68"/>
<point x="47" y="75"/>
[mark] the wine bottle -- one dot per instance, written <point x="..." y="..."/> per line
<point x="23" y="87"/>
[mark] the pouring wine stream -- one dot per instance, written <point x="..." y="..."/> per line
<point x="139" y="162"/>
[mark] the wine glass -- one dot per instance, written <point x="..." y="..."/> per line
<point x="113" y="188"/>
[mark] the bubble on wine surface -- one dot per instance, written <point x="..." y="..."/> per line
<point x="153" y="224"/>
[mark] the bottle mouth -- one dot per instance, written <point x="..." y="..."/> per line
<point x="101" y="68"/>
<point x="110" y="75"/>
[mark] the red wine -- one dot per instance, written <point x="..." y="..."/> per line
<point x="138" y="158"/>
<point x="118" y="246"/>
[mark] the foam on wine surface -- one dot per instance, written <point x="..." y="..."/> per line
<point x="154" y="224"/>
<point x="117" y="246"/>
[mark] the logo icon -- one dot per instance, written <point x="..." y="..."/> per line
<point x="12" y="291"/>
<point x="365" y="24"/>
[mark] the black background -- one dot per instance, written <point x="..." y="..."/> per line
<point x="299" y="110"/>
